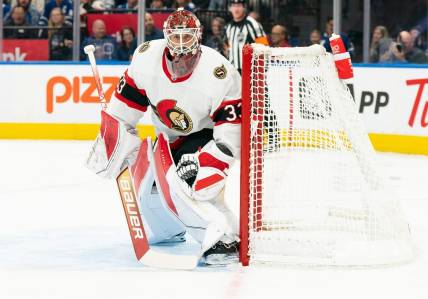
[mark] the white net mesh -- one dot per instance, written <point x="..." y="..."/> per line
<point x="316" y="196"/>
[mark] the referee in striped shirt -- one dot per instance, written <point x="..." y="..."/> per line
<point x="242" y="30"/>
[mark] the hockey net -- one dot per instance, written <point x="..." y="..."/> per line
<point x="310" y="191"/>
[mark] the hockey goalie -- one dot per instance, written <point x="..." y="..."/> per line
<point x="194" y="97"/>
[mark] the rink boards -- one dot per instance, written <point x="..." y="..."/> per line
<point x="59" y="101"/>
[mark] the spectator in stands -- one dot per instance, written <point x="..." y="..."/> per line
<point x="417" y="37"/>
<point x="279" y="37"/>
<point x="151" y="32"/>
<point x="157" y="4"/>
<point x="100" y="5"/>
<point x="17" y="18"/>
<point x="325" y="41"/>
<point x="294" y="36"/>
<point x="328" y="28"/>
<point x="216" y="39"/>
<point x="217" y="5"/>
<point x="94" y="5"/>
<point x="380" y="44"/>
<point x="186" y="4"/>
<point x="32" y="15"/>
<point x="105" y="46"/>
<point x="403" y="51"/>
<point x="60" y="36"/>
<point x="201" y="4"/>
<point x="119" y="2"/>
<point x="315" y="37"/>
<point x="127" y="45"/>
<point x="6" y="9"/>
<point x="130" y="4"/>
<point x="37" y="4"/>
<point x="107" y="4"/>
<point x="242" y="30"/>
<point x="65" y="5"/>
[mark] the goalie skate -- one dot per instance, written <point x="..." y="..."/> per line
<point x="222" y="254"/>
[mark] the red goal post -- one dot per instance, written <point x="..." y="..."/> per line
<point x="247" y="53"/>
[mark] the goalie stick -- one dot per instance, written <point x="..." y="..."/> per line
<point x="125" y="182"/>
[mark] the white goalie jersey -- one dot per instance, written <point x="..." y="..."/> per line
<point x="197" y="118"/>
<point x="208" y="98"/>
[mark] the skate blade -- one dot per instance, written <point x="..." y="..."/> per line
<point x="179" y="238"/>
<point x="173" y="240"/>
<point x="221" y="259"/>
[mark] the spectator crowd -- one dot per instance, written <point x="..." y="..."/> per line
<point x="52" y="20"/>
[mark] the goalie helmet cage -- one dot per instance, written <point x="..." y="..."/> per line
<point x="310" y="191"/>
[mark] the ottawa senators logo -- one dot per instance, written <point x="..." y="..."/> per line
<point x="143" y="47"/>
<point x="172" y="116"/>
<point x="220" y="72"/>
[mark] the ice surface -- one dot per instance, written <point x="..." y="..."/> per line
<point x="63" y="235"/>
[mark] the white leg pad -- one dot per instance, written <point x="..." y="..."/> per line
<point x="205" y="222"/>
<point x="159" y="221"/>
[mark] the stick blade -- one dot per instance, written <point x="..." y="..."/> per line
<point x="164" y="260"/>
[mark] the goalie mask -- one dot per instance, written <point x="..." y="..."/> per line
<point x="182" y="32"/>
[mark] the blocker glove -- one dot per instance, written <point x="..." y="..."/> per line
<point x="116" y="145"/>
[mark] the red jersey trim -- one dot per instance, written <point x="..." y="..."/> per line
<point x="168" y="74"/>
<point x="130" y="103"/>
<point x="235" y="122"/>
<point x="177" y="143"/>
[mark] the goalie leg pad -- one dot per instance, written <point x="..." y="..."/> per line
<point x="160" y="223"/>
<point x="202" y="219"/>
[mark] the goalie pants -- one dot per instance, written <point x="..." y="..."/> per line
<point x="190" y="144"/>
